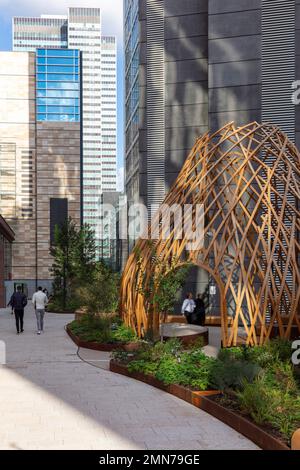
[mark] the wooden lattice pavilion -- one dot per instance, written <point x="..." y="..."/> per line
<point x="248" y="179"/>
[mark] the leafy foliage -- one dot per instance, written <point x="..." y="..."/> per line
<point x="231" y="374"/>
<point x="102" y="329"/>
<point x="73" y="255"/>
<point x="267" y="404"/>
<point x="101" y="293"/>
<point x="171" y="364"/>
<point x="260" y="381"/>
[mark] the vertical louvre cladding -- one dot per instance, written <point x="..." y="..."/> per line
<point x="155" y="103"/>
<point x="278" y="74"/>
<point x="278" y="64"/>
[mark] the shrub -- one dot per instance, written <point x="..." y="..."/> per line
<point x="169" y="363"/>
<point x="281" y="349"/>
<point x="281" y="376"/>
<point x="101" y="294"/>
<point x="124" y="334"/>
<point x="266" y="404"/>
<point x="232" y="373"/>
<point x="254" y="400"/>
<point x="148" y="368"/>
<point x="99" y="328"/>
<point x="227" y="354"/>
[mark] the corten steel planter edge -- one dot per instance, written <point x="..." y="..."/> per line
<point x="201" y="400"/>
<point x="93" y="345"/>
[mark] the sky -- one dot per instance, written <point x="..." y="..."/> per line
<point x="112" y="23"/>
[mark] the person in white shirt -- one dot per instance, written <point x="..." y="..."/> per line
<point x="39" y="300"/>
<point x="188" y="307"/>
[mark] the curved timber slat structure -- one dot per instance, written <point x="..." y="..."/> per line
<point x="248" y="180"/>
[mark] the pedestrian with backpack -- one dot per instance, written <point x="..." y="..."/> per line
<point x="18" y="302"/>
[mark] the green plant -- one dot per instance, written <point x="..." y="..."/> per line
<point x="124" y="333"/>
<point x="232" y="373"/>
<point x="148" y="368"/>
<point x="254" y="400"/>
<point x="281" y="349"/>
<point x="266" y="404"/>
<point x="73" y="253"/>
<point x="280" y="376"/>
<point x="101" y="294"/>
<point x="233" y="353"/>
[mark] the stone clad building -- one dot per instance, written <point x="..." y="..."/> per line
<point x="40" y="158"/>
<point x="6" y="238"/>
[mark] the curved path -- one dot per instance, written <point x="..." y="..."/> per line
<point x="51" y="399"/>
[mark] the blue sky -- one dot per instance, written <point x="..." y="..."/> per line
<point x="112" y="23"/>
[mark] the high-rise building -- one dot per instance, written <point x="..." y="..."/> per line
<point x="40" y="157"/>
<point x="166" y="91"/>
<point x="81" y="30"/>
<point x="193" y="66"/>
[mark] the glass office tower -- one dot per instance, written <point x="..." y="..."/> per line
<point x="132" y="49"/>
<point x="58" y="85"/>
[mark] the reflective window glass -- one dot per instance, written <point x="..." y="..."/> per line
<point x="58" y="87"/>
<point x="41" y="92"/>
<point x="62" y="109"/>
<point x="60" y="52"/>
<point x="63" y="85"/>
<point x="62" y="93"/>
<point x="61" y="60"/>
<point x="58" y="101"/>
<point x="65" y="77"/>
<point x="60" y="69"/>
<point x="62" y="117"/>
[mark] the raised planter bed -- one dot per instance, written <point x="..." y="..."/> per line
<point x="107" y="347"/>
<point x="204" y="400"/>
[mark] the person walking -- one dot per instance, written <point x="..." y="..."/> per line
<point x="39" y="300"/>
<point x="18" y="302"/>
<point x="199" y="313"/>
<point x="188" y="307"/>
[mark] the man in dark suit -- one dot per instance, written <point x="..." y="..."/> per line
<point x="18" y="302"/>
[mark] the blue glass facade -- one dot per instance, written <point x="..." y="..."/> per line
<point x="58" y="85"/>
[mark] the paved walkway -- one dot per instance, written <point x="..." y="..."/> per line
<point x="51" y="399"/>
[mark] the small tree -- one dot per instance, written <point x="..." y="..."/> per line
<point x="160" y="283"/>
<point x="101" y="294"/>
<point x="73" y="254"/>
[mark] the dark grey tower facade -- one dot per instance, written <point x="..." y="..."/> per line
<point x="200" y="65"/>
<point x="172" y="91"/>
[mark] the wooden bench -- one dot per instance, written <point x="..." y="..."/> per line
<point x="210" y="320"/>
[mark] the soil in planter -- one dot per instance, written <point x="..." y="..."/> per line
<point x="231" y="404"/>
